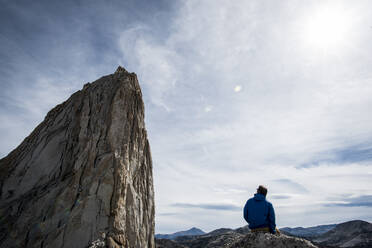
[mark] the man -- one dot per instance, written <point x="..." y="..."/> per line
<point x="259" y="213"/>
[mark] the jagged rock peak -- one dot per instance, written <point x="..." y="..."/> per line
<point x="120" y="70"/>
<point x="83" y="177"/>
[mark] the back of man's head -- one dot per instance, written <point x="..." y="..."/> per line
<point x="262" y="190"/>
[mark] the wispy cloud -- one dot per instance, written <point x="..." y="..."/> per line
<point x="274" y="110"/>
<point x="361" y="153"/>
<point x="279" y="197"/>
<point x="291" y="185"/>
<point x="359" y="201"/>
<point x="234" y="98"/>
<point x="214" y="206"/>
<point x="167" y="214"/>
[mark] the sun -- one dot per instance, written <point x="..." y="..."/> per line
<point x="327" y="27"/>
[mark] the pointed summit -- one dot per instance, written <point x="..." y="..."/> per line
<point x="83" y="177"/>
<point x="120" y="70"/>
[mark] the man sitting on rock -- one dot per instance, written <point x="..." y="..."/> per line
<point x="259" y="213"/>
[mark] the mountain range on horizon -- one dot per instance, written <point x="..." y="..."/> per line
<point x="307" y="232"/>
<point x="355" y="234"/>
<point x="190" y="232"/>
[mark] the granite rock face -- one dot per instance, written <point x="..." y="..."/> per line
<point x="83" y="177"/>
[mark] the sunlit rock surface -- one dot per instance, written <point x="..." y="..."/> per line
<point x="262" y="240"/>
<point x="83" y="177"/>
<point x="235" y="239"/>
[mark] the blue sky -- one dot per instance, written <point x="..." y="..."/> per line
<point x="237" y="93"/>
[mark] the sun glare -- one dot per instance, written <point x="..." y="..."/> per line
<point x="327" y="27"/>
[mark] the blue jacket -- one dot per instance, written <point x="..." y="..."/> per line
<point x="259" y="213"/>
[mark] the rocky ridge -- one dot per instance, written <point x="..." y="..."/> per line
<point x="238" y="238"/>
<point x="356" y="234"/>
<point x="307" y="232"/>
<point x="83" y="177"/>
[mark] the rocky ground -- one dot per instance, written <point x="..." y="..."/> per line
<point x="233" y="239"/>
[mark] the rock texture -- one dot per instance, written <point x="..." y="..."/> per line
<point x="167" y="243"/>
<point x="262" y="240"/>
<point x="83" y="177"/>
<point x="238" y="238"/>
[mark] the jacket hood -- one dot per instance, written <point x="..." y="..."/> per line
<point x="259" y="197"/>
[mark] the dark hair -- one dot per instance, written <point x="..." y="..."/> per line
<point x="262" y="190"/>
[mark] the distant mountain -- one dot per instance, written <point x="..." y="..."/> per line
<point x="221" y="232"/>
<point x="307" y="232"/>
<point x="191" y="232"/>
<point x="218" y="232"/>
<point x="356" y="234"/>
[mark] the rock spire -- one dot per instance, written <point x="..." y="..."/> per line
<point x="83" y="177"/>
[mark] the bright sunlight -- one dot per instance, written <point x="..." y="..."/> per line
<point x="327" y="27"/>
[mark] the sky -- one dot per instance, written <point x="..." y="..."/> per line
<point x="237" y="94"/>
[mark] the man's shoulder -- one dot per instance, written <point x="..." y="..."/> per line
<point x="249" y="201"/>
<point x="269" y="203"/>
